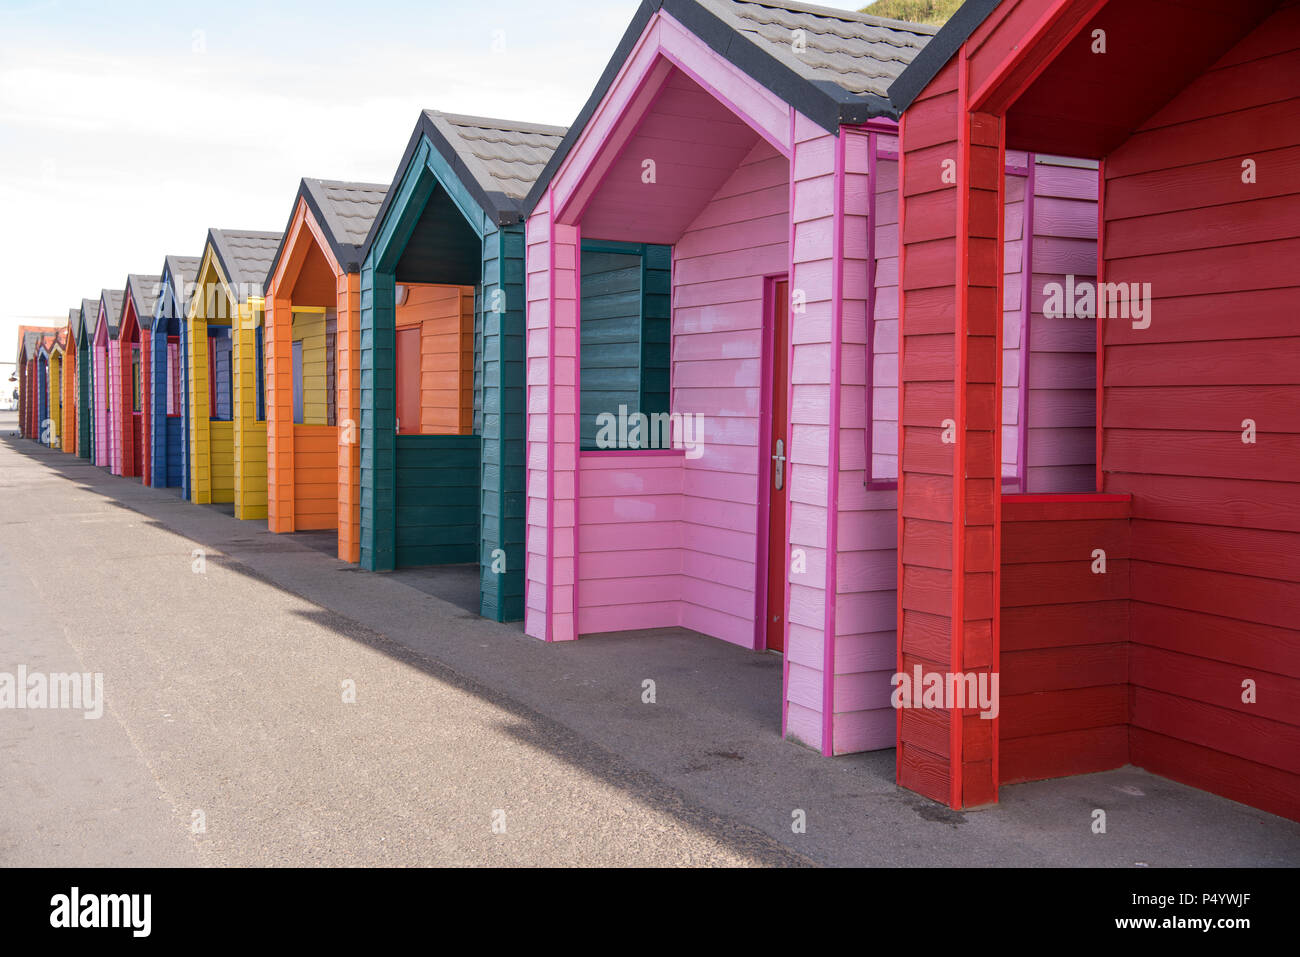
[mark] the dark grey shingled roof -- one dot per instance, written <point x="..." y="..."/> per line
<point x="244" y="256"/>
<point x="496" y="160"/>
<point x="503" y="157"/>
<point x="112" y="300"/>
<point x="74" y="325"/>
<point x="89" y="312"/>
<point x="143" y="292"/>
<point x="859" y="52"/>
<point x="181" y="272"/>
<point x="842" y="75"/>
<point x="32" y="342"/>
<point x="346" y="211"/>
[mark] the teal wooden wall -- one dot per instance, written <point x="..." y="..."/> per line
<point x="625" y="353"/>
<point x="413" y="511"/>
<point x="437" y="500"/>
<point x="84" y="404"/>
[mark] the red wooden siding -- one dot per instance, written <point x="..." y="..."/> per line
<point x="949" y="493"/>
<point x="1064" y="639"/>
<point x="1216" y="530"/>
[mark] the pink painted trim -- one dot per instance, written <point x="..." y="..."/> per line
<point x="577" y="419"/>
<point x="789" y="404"/>
<point x="653" y="46"/>
<point x="763" y="523"/>
<point x="833" y="452"/>
<point x="873" y="156"/>
<point x="1026" y="319"/>
<point x="889" y="155"/>
<point x="550" y="425"/>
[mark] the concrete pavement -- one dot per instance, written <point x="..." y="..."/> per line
<point x="225" y="690"/>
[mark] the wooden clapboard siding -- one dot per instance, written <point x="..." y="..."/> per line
<point x="315" y="477"/>
<point x="630" y="543"/>
<point x="502" y="417"/>
<point x="1216" y="588"/>
<point x="445" y="315"/>
<point x="85" y="395"/>
<point x="611" y="337"/>
<point x="249" y="446"/>
<point x="467" y="384"/>
<point x="947" y="607"/>
<point x="56" y="398"/>
<point x="437" y="493"/>
<point x="866" y="524"/>
<point x="813" y="369"/>
<point x="1017" y="235"/>
<point x="1061" y="447"/>
<point x="348" y="384"/>
<point x="551" y="257"/>
<point x="739" y="237"/>
<point x="115" y="403"/>
<point x="884" y="344"/>
<point x="1064" y="638"/>
<point x="309" y="329"/>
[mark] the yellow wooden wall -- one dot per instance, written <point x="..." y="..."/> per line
<point x="54" y="386"/>
<point x="250" y="434"/>
<point x="309" y="329"/>
<point x="227" y="459"/>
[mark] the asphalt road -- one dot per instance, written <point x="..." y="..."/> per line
<point x="227" y="739"/>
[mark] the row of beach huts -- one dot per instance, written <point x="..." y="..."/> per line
<point x="900" y="352"/>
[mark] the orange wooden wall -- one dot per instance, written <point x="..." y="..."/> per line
<point x="446" y="316"/>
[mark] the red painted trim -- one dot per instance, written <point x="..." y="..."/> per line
<point x="999" y="327"/>
<point x="1082" y="498"/>
<point x="902" y="385"/>
<point x="1101" y="325"/>
<point x="959" y="415"/>
<point x="1026" y="45"/>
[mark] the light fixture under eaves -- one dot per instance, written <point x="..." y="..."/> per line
<point x="400" y="294"/>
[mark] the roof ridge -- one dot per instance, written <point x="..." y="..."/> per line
<point x="850" y="16"/>
<point x="496" y="123"/>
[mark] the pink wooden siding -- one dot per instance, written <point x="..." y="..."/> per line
<point x="717" y="336"/>
<point x="884" y="345"/>
<point x="866" y="526"/>
<point x="1061" y="446"/>
<point x="102" y="457"/>
<point x="115" y="419"/>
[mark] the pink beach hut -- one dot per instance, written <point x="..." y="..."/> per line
<point x="104" y="359"/>
<point x="712" y="434"/>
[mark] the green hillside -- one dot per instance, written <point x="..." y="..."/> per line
<point x="935" y="12"/>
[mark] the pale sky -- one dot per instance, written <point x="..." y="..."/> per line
<point x="127" y="129"/>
